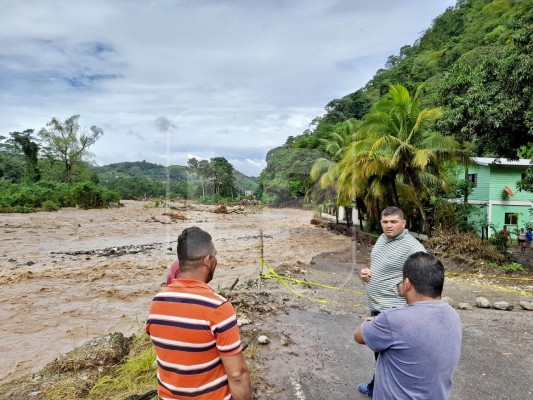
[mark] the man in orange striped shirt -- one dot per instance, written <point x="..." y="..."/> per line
<point x="194" y="331"/>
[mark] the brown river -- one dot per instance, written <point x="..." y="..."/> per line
<point x="64" y="278"/>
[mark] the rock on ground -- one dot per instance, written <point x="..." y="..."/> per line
<point x="482" y="302"/>
<point x="502" y="305"/>
<point x="448" y="300"/>
<point x="464" y="306"/>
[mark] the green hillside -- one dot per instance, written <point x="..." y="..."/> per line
<point x="474" y="68"/>
<point x="176" y="173"/>
<point x="144" y="179"/>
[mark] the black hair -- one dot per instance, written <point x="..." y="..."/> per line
<point x="392" y="211"/>
<point x="193" y="245"/>
<point x="426" y="273"/>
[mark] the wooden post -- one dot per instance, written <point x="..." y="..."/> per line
<point x="262" y="255"/>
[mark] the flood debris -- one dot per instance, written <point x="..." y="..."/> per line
<point x="114" y="251"/>
<point x="161" y="221"/>
<point x="298" y="268"/>
<point x="100" y="351"/>
<point x="72" y="375"/>
<point x="222" y="209"/>
<point x="175" y="216"/>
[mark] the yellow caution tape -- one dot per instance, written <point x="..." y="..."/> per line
<point x="522" y="292"/>
<point x="273" y="275"/>
<point x="451" y="274"/>
<point x="489" y="285"/>
<point x="285" y="282"/>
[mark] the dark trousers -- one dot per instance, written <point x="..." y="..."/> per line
<point x="371" y="384"/>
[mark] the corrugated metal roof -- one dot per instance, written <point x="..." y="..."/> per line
<point x="501" y="161"/>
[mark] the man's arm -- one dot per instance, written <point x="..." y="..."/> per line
<point x="238" y="376"/>
<point x="359" y="332"/>
<point x="359" y="335"/>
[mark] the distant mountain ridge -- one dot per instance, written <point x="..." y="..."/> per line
<point x="174" y="173"/>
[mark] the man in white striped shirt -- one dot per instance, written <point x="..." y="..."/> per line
<point x="388" y="256"/>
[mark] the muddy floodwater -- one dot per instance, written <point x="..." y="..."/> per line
<point x="70" y="275"/>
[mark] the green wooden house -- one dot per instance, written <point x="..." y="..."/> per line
<point x="494" y="190"/>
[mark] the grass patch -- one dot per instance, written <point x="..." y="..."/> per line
<point x="251" y="354"/>
<point x="511" y="267"/>
<point x="67" y="389"/>
<point x="136" y="375"/>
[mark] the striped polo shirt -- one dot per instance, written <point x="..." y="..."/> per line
<point x="191" y="327"/>
<point x="386" y="265"/>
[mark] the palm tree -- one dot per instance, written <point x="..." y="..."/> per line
<point x="396" y="157"/>
<point x="325" y="171"/>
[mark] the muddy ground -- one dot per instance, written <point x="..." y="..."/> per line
<point x="72" y="275"/>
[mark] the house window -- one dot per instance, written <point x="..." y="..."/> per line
<point x="473" y="180"/>
<point x="511" y="219"/>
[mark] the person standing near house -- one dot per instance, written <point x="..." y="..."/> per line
<point x="522" y="239"/>
<point x="194" y="330"/>
<point x="529" y="236"/>
<point x="419" y="344"/>
<point x="505" y="234"/>
<point x="387" y="258"/>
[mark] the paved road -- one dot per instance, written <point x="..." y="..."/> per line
<point x="321" y="360"/>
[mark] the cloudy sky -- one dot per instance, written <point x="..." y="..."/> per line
<point x="168" y="80"/>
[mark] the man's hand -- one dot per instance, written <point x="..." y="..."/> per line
<point x="365" y="274"/>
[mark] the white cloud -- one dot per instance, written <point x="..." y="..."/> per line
<point x="167" y="78"/>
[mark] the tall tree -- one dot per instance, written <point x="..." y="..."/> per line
<point x="11" y="164"/>
<point x="27" y="145"/>
<point x="325" y="170"/>
<point x="396" y="154"/>
<point x="67" y="142"/>
<point x="223" y="179"/>
<point x="202" y="171"/>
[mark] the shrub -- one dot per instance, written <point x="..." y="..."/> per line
<point x="51" y="196"/>
<point x="50" y="205"/>
<point x="89" y="195"/>
<point x="513" y="267"/>
<point x="500" y="243"/>
<point x="211" y="199"/>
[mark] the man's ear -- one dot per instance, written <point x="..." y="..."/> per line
<point x="407" y="285"/>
